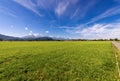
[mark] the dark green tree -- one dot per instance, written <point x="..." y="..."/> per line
<point x="1" y="39"/>
<point x="116" y="39"/>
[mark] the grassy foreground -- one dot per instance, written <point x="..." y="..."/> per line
<point x="57" y="61"/>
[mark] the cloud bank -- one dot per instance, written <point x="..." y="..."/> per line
<point x="97" y="31"/>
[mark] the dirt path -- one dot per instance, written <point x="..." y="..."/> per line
<point x="117" y="44"/>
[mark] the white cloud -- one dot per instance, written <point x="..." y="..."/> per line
<point x="75" y="13"/>
<point x="36" y="34"/>
<point x="26" y="28"/>
<point x="11" y="26"/>
<point x="47" y="32"/>
<point x="107" y="13"/>
<point x="61" y="8"/>
<point x="66" y="27"/>
<point x="117" y="1"/>
<point x="8" y="11"/>
<point x="98" y="31"/>
<point x="74" y="1"/>
<point x="29" y="5"/>
<point x="87" y="7"/>
<point x="81" y="11"/>
<point x="30" y="32"/>
<point x="46" y="4"/>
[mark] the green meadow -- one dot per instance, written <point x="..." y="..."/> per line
<point x="57" y="61"/>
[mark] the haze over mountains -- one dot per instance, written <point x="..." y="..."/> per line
<point x="5" y="37"/>
<point x="46" y="38"/>
<point x="29" y="38"/>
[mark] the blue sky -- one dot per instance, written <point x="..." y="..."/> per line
<point x="87" y="19"/>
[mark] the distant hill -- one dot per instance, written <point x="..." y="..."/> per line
<point x="28" y="38"/>
<point x="45" y="38"/>
<point x="36" y="38"/>
<point x="5" y="37"/>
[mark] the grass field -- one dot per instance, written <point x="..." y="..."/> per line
<point x="57" y="61"/>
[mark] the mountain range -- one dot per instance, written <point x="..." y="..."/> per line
<point x="28" y="38"/>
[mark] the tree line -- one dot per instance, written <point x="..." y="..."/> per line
<point x="116" y="39"/>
